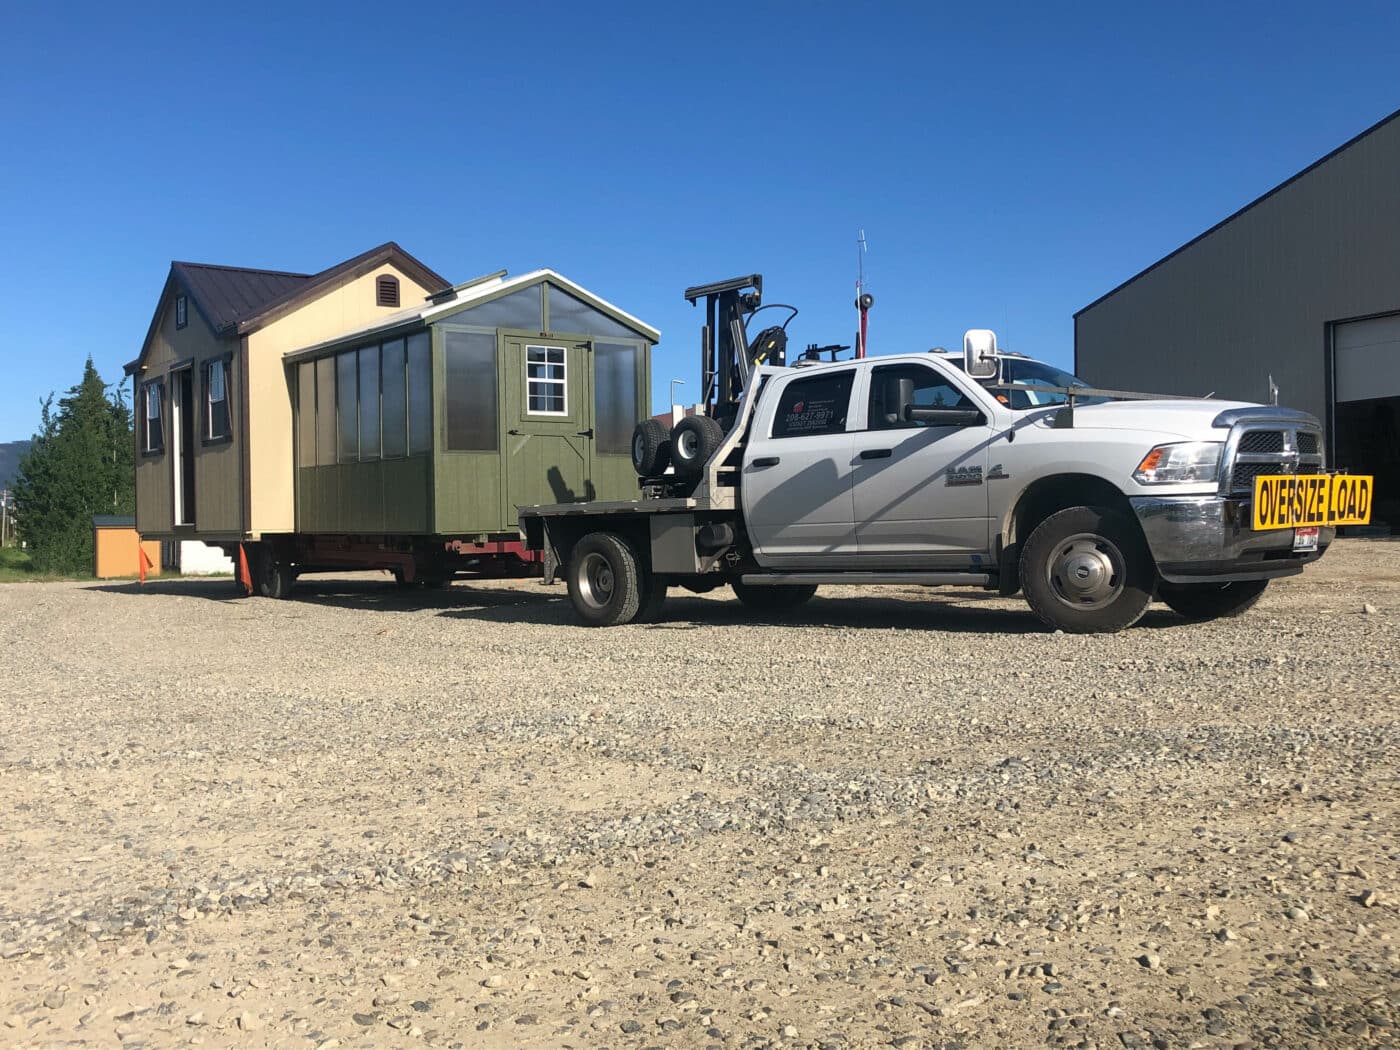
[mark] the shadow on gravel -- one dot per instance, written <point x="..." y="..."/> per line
<point x="689" y="614"/>
<point x="528" y="602"/>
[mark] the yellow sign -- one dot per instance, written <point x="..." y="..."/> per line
<point x="1286" y="501"/>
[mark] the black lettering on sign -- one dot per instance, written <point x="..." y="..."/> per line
<point x="1363" y="502"/>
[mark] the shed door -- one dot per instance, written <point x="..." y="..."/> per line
<point x="549" y="422"/>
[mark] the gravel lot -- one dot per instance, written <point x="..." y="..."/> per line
<point x="367" y="817"/>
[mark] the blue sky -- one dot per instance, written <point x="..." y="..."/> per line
<point x="1009" y="163"/>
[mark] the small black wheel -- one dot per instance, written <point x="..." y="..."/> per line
<point x="274" y="575"/>
<point x="1086" y="570"/>
<point x="693" y="441"/>
<point x="651" y="448"/>
<point x="605" y="580"/>
<point x="775" y="598"/>
<point x="1212" y="601"/>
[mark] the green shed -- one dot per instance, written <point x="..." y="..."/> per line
<point x="441" y="419"/>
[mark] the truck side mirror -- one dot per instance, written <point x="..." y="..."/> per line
<point x="980" y="359"/>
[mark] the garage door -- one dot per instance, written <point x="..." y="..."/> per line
<point x="1368" y="358"/>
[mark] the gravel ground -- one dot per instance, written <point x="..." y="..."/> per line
<point x="367" y="817"/>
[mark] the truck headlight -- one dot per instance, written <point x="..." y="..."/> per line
<point x="1187" y="461"/>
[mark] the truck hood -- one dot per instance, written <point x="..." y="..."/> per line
<point x="1190" y="419"/>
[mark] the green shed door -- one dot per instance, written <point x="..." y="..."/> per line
<point x="548" y="415"/>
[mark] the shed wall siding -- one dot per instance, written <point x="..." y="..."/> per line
<point x="1255" y="297"/>
<point x="350" y="306"/>
<point x="218" y="487"/>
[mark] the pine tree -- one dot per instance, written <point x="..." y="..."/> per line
<point x="80" y="464"/>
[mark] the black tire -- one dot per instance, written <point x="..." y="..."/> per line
<point x="651" y="448"/>
<point x="274" y="576"/>
<point x="1086" y="570"/>
<point x="1212" y="601"/>
<point x="653" y="602"/>
<point x="693" y="441"/>
<point x="776" y="598"/>
<point x="605" y="580"/>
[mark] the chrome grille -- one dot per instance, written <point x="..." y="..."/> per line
<point x="1267" y="447"/>
<point x="1261" y="441"/>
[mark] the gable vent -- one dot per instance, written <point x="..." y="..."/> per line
<point x="386" y="290"/>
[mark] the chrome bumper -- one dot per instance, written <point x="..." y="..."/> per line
<point x="1208" y="538"/>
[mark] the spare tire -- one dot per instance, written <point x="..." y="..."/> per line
<point x="651" y="448"/>
<point x="693" y="441"/>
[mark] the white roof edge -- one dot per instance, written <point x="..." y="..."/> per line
<point x="476" y="293"/>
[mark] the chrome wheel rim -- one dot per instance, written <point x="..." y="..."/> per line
<point x="1086" y="571"/>
<point x="687" y="445"/>
<point x="638" y="449"/>
<point x="595" y="581"/>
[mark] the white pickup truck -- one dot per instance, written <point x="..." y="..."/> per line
<point x="909" y="470"/>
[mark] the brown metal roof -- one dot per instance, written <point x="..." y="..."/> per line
<point x="226" y="295"/>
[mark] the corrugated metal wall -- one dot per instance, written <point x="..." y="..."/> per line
<point x="1255" y="296"/>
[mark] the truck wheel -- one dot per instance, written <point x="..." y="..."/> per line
<point x="605" y="580"/>
<point x="1086" y="570"/>
<point x="693" y="441"/>
<point x="274" y="575"/>
<point x="773" y="599"/>
<point x="1210" y="601"/>
<point x="651" y="448"/>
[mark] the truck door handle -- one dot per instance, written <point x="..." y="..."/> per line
<point x="766" y="461"/>
<point x="876" y="453"/>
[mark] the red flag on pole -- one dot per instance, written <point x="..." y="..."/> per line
<point x="244" y="576"/>
<point x="144" y="562"/>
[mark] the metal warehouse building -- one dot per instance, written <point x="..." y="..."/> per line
<point x="1302" y="285"/>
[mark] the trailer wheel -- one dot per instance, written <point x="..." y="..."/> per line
<point x="1086" y="570"/>
<point x="605" y="580"/>
<point x="776" y="598"/>
<point x="1211" y="601"/>
<point x="274" y="574"/>
<point x="651" y="448"/>
<point x="693" y="441"/>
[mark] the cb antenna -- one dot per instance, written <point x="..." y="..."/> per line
<point x="864" y="300"/>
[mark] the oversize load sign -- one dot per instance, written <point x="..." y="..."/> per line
<point x="1287" y="501"/>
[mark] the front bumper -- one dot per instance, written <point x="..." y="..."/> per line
<point x="1197" y="539"/>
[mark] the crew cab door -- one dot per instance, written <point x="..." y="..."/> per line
<point x="797" y="471"/>
<point x="919" y="489"/>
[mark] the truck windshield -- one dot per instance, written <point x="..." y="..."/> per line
<point x="1020" y="372"/>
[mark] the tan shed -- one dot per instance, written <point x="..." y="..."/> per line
<point x="117" y="547"/>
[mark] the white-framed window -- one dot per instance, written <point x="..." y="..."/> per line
<point x="152" y="433"/>
<point x="546" y="381"/>
<point x="216" y="414"/>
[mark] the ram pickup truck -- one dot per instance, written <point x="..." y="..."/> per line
<point x="910" y="469"/>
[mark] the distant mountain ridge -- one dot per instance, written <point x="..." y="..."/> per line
<point x="11" y="452"/>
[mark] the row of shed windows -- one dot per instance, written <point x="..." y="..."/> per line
<point x="367" y="404"/>
<point x="215" y="418"/>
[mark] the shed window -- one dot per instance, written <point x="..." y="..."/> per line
<point x="325" y="411"/>
<point x="420" y="394"/>
<point x="616" y="377"/>
<point x="386" y="290"/>
<point x="346" y="403"/>
<point x="523" y="309"/>
<point x="369" y="403"/>
<point x="471" y="391"/>
<point x="182" y="311"/>
<point x="568" y="313"/>
<point x="216" y="409"/>
<point x="546" y="382"/>
<point x="393" y="421"/>
<point x="152" y="432"/>
<point x="306" y="414"/>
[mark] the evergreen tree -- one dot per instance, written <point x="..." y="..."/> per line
<point x="80" y="464"/>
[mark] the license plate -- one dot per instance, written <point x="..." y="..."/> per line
<point x="1305" y="539"/>
<point x="1290" y="501"/>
